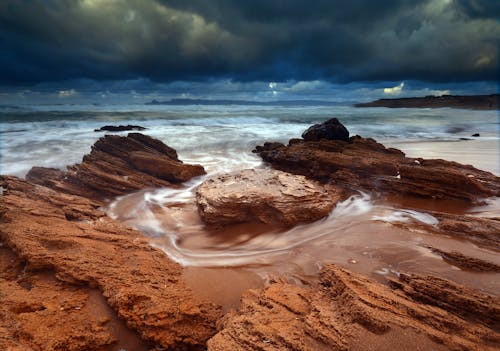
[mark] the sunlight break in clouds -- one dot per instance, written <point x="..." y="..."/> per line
<point x="395" y="90"/>
<point x="67" y="93"/>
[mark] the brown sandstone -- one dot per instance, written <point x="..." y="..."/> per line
<point x="265" y="195"/>
<point x="364" y="164"/>
<point x="74" y="279"/>
<point x="67" y="237"/>
<point x="345" y="311"/>
<point x="119" y="165"/>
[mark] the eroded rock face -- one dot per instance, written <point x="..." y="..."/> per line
<point x="364" y="164"/>
<point x="163" y="167"/>
<point x="268" y="196"/>
<point x="64" y="249"/>
<point x="329" y="130"/>
<point x="345" y="311"/>
<point x="119" y="165"/>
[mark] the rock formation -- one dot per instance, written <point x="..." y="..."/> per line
<point x="268" y="196"/>
<point x="330" y="130"/>
<point x="119" y="165"/>
<point x="344" y="311"/>
<point x="63" y="244"/>
<point x="364" y="164"/>
<point x="73" y="279"/>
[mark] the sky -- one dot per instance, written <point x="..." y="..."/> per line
<point x="70" y="51"/>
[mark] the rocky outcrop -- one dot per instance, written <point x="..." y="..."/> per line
<point x="119" y="128"/>
<point x="65" y="257"/>
<point x="119" y="165"/>
<point x="268" y="196"/>
<point x="163" y="167"/>
<point x="465" y="262"/>
<point x="345" y="311"/>
<point x="330" y="130"/>
<point x="364" y="164"/>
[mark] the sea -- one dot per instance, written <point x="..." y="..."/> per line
<point x="222" y="137"/>
<point x="359" y="233"/>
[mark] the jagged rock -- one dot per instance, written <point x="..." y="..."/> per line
<point x="119" y="128"/>
<point x="330" y="130"/>
<point x="163" y="167"/>
<point x="345" y="311"/>
<point x="466" y="262"/>
<point x="268" y="196"/>
<point x="118" y="165"/>
<point x="364" y="164"/>
<point x="66" y="250"/>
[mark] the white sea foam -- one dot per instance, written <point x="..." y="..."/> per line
<point x="403" y="216"/>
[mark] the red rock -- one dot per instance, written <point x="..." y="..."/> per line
<point x="364" y="164"/>
<point x="163" y="167"/>
<point x="119" y="165"/>
<point x="67" y="249"/>
<point x="268" y="196"/>
<point x="346" y="311"/>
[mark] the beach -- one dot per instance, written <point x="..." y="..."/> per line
<point x="378" y="234"/>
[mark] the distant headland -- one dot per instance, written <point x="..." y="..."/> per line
<point x="473" y="102"/>
<point x="247" y="102"/>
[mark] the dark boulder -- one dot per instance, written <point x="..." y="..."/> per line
<point x="330" y="130"/>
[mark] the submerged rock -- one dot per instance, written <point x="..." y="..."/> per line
<point x="119" y="128"/>
<point x="118" y="165"/>
<point x="268" y="196"/>
<point x="330" y="130"/>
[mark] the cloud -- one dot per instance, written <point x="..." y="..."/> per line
<point x="299" y="40"/>
<point x="66" y="93"/>
<point x="143" y="90"/>
<point x="395" y="90"/>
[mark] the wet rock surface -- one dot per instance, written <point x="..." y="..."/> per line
<point x="268" y="196"/>
<point x="345" y="311"/>
<point x="119" y="165"/>
<point x="69" y="241"/>
<point x="364" y="164"/>
<point x="119" y="128"/>
<point x="74" y="279"/>
<point x="330" y="130"/>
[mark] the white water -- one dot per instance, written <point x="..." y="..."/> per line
<point x="358" y="232"/>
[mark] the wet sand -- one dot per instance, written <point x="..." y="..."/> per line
<point x="482" y="153"/>
<point x="362" y="234"/>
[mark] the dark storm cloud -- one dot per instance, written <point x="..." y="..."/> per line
<point x="349" y="40"/>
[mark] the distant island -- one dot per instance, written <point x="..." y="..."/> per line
<point x="473" y="102"/>
<point x="248" y="102"/>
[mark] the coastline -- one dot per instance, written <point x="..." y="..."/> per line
<point x="88" y="250"/>
<point x="472" y="102"/>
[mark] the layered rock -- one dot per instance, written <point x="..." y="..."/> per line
<point x="268" y="196"/>
<point x="364" y="164"/>
<point x="119" y="165"/>
<point x="345" y="311"/>
<point x="66" y="250"/>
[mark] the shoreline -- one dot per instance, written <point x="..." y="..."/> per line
<point x="87" y="249"/>
<point x="471" y="102"/>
